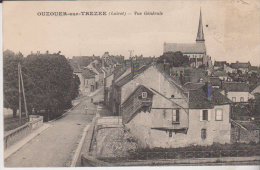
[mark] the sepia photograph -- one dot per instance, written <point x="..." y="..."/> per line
<point x="131" y="83"/>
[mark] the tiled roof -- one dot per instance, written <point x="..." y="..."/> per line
<point x="254" y="68"/>
<point x="219" y="73"/>
<point x="215" y="81"/>
<point x="120" y="73"/>
<point x="198" y="99"/>
<point x="220" y="63"/>
<point x="240" y="65"/>
<point x="130" y="76"/>
<point x="75" y="66"/>
<point x="192" y="48"/>
<point x="236" y="87"/>
<point x="256" y="90"/>
<point x="193" y="86"/>
<point x="87" y="73"/>
<point x="97" y="67"/>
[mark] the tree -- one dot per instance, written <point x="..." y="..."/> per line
<point x="10" y="68"/>
<point x="75" y="83"/>
<point x="174" y="59"/>
<point x="51" y="84"/>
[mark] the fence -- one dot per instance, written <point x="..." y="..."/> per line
<point x="184" y="155"/>
<point x="17" y="134"/>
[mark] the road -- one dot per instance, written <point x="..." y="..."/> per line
<point x="55" y="146"/>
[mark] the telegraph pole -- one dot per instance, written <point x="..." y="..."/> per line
<point x="20" y="99"/>
<point x="21" y="90"/>
<point x="24" y="99"/>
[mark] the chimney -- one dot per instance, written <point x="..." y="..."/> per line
<point x="221" y="84"/>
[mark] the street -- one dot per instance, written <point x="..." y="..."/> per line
<point x="55" y="146"/>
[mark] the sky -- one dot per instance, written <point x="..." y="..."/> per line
<point x="231" y="27"/>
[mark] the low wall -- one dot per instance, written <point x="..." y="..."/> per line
<point x="17" y="134"/>
<point x="89" y="161"/>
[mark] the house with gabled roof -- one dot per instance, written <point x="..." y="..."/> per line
<point x="95" y="66"/>
<point x="159" y="112"/>
<point x="239" y="66"/>
<point x="89" y="82"/>
<point x="237" y="91"/>
<point x="221" y="74"/>
<point x="219" y="65"/>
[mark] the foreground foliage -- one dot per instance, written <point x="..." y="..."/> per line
<point x="50" y="85"/>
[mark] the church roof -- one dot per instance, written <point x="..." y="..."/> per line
<point x="189" y="48"/>
<point x="186" y="48"/>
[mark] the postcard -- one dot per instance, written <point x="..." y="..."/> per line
<point x="131" y="83"/>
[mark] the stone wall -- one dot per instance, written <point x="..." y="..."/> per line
<point x="239" y="134"/>
<point x="15" y="135"/>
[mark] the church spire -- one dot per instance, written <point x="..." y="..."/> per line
<point x="200" y="34"/>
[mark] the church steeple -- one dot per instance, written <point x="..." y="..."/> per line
<point x="200" y="34"/>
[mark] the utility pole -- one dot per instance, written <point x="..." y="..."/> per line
<point x="21" y="90"/>
<point x="20" y="102"/>
<point x="24" y="99"/>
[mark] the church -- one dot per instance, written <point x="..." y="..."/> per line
<point x="196" y="52"/>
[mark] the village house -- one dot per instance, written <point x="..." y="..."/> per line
<point x="228" y="69"/>
<point x="77" y="71"/>
<point x="165" y="114"/>
<point x="95" y="66"/>
<point x="221" y="74"/>
<point x="88" y="80"/>
<point x="111" y="60"/>
<point x="237" y="91"/>
<point x="243" y="67"/>
<point x="219" y="65"/>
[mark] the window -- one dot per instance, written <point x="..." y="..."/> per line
<point x="233" y="99"/>
<point x="241" y="99"/>
<point x="144" y="95"/>
<point x="203" y="134"/>
<point x="219" y="114"/>
<point x="205" y="115"/>
<point x="175" y="116"/>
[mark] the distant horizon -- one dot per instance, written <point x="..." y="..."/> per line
<point x="94" y="55"/>
<point x="228" y="36"/>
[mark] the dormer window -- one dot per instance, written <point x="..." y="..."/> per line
<point x="144" y="95"/>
